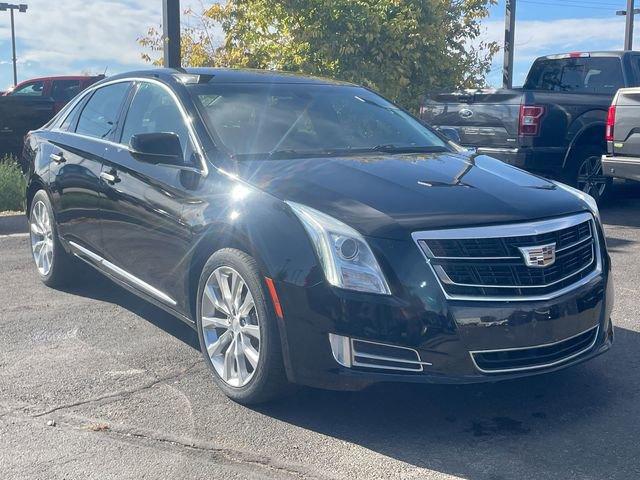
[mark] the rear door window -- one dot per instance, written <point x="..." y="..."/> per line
<point x="99" y="118"/>
<point x="65" y="90"/>
<point x="577" y="75"/>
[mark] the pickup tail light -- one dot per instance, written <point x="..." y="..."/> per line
<point x="611" y="121"/>
<point x="530" y="119"/>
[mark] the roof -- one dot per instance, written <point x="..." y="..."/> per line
<point x="232" y="75"/>
<point x="61" y="77"/>
<point x="602" y="53"/>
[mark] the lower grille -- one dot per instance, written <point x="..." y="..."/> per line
<point x="537" y="260"/>
<point x="354" y="353"/>
<point x="540" y="356"/>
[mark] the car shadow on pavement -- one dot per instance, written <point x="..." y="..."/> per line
<point x="581" y="422"/>
<point x="93" y="284"/>
<point x="623" y="205"/>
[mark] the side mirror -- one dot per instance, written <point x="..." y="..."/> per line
<point x="451" y="133"/>
<point x="157" y="148"/>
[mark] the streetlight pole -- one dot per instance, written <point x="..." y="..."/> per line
<point x="22" y="8"/>
<point x="628" y="24"/>
<point x="171" y="33"/>
<point x="628" y="27"/>
<point x="509" y="38"/>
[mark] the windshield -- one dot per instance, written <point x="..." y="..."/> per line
<point x="291" y="120"/>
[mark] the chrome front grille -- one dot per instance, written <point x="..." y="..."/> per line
<point x="487" y="263"/>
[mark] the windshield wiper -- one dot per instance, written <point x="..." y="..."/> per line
<point x="392" y="148"/>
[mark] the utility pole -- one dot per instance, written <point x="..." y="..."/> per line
<point x="22" y="8"/>
<point x="171" y="33"/>
<point x="509" y="37"/>
<point x="628" y="27"/>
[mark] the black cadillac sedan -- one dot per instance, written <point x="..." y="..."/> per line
<point x="314" y="233"/>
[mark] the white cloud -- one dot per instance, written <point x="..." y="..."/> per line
<point x="94" y="31"/>
<point x="65" y="36"/>
<point x="536" y="38"/>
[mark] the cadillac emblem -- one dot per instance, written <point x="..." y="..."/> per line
<point x="540" y="256"/>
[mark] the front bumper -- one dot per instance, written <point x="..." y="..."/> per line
<point x="621" y="167"/>
<point x="442" y="332"/>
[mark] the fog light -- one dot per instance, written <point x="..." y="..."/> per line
<point x="341" y="349"/>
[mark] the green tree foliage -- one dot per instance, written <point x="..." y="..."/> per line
<point x="12" y="185"/>
<point x="401" y="48"/>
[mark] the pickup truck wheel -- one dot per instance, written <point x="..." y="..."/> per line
<point x="589" y="176"/>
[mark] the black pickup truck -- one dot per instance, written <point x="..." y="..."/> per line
<point x="554" y="125"/>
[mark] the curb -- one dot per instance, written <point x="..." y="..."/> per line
<point x="13" y="224"/>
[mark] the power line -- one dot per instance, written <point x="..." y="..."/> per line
<point x="566" y="5"/>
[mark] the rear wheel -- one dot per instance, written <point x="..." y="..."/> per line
<point x="237" y="329"/>
<point x="55" y="266"/>
<point x="588" y="174"/>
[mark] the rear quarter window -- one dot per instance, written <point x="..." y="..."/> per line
<point x="577" y="75"/>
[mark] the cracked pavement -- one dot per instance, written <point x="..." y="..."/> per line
<point x="128" y="396"/>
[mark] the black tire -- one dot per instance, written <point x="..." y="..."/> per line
<point x="62" y="268"/>
<point x="586" y="173"/>
<point x="268" y="380"/>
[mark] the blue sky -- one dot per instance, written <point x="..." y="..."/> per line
<point x="554" y="26"/>
<point x="77" y="36"/>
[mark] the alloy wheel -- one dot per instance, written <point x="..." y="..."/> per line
<point x="41" y="237"/>
<point x="230" y="327"/>
<point x="591" y="179"/>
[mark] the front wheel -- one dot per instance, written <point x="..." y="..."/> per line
<point x="589" y="175"/>
<point x="237" y="329"/>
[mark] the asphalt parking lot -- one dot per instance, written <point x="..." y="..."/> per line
<point x="95" y="383"/>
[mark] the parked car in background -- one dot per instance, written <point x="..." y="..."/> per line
<point x="554" y="125"/>
<point x="312" y="232"/>
<point x="623" y="136"/>
<point x="33" y="103"/>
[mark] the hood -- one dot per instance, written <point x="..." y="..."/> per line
<point x="391" y="196"/>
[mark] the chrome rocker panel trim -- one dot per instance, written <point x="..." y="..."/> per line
<point x="122" y="273"/>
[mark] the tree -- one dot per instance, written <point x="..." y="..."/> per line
<point x="401" y="48"/>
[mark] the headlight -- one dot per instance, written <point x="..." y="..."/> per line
<point x="345" y="256"/>
<point x="586" y="198"/>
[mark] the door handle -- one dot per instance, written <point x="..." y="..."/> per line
<point x="57" y="157"/>
<point x="109" y="177"/>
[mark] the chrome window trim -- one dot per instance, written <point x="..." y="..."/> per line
<point x="513" y="230"/>
<point x="536" y="367"/>
<point x="188" y="120"/>
<point x="122" y="273"/>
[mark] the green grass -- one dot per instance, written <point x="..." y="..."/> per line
<point x="12" y="185"/>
